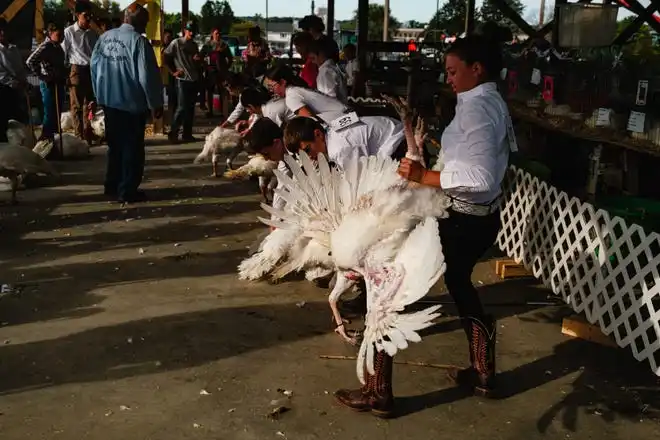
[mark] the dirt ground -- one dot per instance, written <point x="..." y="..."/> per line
<point x="130" y="323"/>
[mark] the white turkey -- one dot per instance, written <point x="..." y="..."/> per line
<point x="74" y="147"/>
<point x="256" y="166"/>
<point x="17" y="161"/>
<point x="220" y="140"/>
<point x="285" y="251"/>
<point x="66" y="121"/>
<point x="20" y="134"/>
<point x="366" y="221"/>
<point x="98" y="124"/>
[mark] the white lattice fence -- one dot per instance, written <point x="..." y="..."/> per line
<point x="600" y="265"/>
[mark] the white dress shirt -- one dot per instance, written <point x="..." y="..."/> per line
<point x="331" y="82"/>
<point x="325" y="107"/>
<point x="475" y="148"/>
<point x="372" y="136"/>
<point x="237" y="113"/>
<point x="12" y="70"/>
<point x="277" y="110"/>
<point x="78" y="45"/>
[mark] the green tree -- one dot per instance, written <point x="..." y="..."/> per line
<point x="450" y="17"/>
<point x="112" y="8"/>
<point x="640" y="47"/>
<point x="216" y="14"/>
<point x="56" y="11"/>
<point x="376" y="15"/>
<point x="490" y="12"/>
<point x="173" y="21"/>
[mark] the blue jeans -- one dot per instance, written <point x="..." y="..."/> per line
<point x="51" y="116"/>
<point x="124" y="133"/>
<point x="185" y="109"/>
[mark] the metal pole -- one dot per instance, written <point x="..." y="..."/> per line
<point x="266" y="30"/>
<point x="386" y="20"/>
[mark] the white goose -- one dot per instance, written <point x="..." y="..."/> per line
<point x="370" y="224"/>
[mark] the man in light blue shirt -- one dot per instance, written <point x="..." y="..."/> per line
<point x="127" y="84"/>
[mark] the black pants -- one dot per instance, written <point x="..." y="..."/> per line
<point x="172" y="97"/>
<point x="11" y="108"/>
<point x="466" y="238"/>
<point x="125" y="136"/>
<point x="185" y="109"/>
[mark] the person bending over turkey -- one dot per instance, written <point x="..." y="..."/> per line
<point x="300" y="99"/>
<point x="472" y="164"/>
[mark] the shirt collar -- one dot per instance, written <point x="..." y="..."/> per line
<point x="76" y="27"/>
<point x="127" y="27"/>
<point x="481" y="89"/>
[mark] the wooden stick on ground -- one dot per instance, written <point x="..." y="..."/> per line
<point x="414" y="364"/>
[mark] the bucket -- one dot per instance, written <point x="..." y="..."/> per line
<point x="217" y="105"/>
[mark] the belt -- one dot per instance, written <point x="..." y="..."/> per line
<point x="464" y="207"/>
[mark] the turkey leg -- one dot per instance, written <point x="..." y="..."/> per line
<point x="341" y="286"/>
<point x="14" y="187"/>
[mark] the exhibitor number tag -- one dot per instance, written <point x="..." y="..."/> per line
<point x="344" y="121"/>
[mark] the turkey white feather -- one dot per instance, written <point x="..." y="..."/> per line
<point x="66" y="121"/>
<point x="371" y="223"/>
<point x="220" y="140"/>
<point x="256" y="166"/>
<point x="17" y="161"/>
<point x="19" y="134"/>
<point x="73" y="146"/>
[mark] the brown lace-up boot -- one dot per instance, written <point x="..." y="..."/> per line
<point x="376" y="395"/>
<point x="480" y="376"/>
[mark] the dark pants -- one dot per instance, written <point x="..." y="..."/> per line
<point x="11" y="108"/>
<point x="52" y="111"/>
<point x="172" y="97"/>
<point x="125" y="137"/>
<point x="185" y="109"/>
<point x="465" y="239"/>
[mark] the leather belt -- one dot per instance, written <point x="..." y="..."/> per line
<point x="464" y="207"/>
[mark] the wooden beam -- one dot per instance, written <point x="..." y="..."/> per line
<point x="13" y="9"/>
<point x="637" y="8"/>
<point x="634" y="26"/>
<point x="330" y="28"/>
<point x="470" y="8"/>
<point x="512" y="15"/>
<point x="39" y="21"/>
<point x="185" y="13"/>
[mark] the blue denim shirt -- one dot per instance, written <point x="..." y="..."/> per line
<point x="125" y="74"/>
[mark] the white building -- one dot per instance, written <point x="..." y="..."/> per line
<point x="278" y="35"/>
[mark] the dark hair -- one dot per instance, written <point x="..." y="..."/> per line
<point x="237" y="80"/>
<point x="350" y="47"/>
<point x="115" y="22"/>
<point x="168" y="31"/>
<point x="321" y="47"/>
<point x="254" y="97"/>
<point x="302" y="39"/>
<point x="263" y="134"/>
<point x="280" y="71"/>
<point x="3" y="24"/>
<point x="300" y="129"/>
<point x="254" y="31"/>
<point x="310" y="22"/>
<point x="478" y="49"/>
<point x="52" y="27"/>
<point x="82" y="7"/>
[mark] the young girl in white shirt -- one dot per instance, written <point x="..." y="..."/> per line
<point x="330" y="80"/>
<point x="299" y="98"/>
<point x="473" y="162"/>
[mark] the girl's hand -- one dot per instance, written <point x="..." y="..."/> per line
<point x="411" y="170"/>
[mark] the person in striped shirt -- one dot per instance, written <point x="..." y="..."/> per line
<point x="47" y="62"/>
